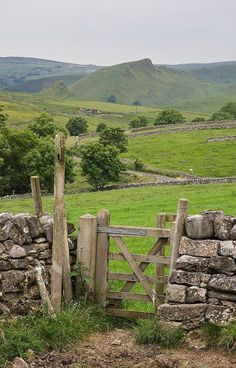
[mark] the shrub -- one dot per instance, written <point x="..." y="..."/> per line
<point x="220" y="115"/>
<point x="138" y="165"/>
<point x="77" y="125"/>
<point x="112" y="99"/>
<point x="169" y="116"/>
<point x="152" y="332"/>
<point x="198" y="120"/>
<point x="138" y="122"/>
<point x="114" y="137"/>
<point x="229" y="108"/>
<point x="136" y="103"/>
<point x="100" y="127"/>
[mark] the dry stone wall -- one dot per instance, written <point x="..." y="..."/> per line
<point x="203" y="285"/>
<point x="25" y="242"/>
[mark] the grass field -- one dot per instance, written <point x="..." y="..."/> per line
<point x="187" y="150"/>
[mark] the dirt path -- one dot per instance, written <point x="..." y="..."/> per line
<point x="154" y="177"/>
<point x="117" y="349"/>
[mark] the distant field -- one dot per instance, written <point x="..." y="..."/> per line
<point x="187" y="150"/>
<point x="23" y="107"/>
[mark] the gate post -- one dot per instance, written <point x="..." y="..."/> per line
<point x="86" y="248"/>
<point x="178" y="231"/>
<point x="103" y="218"/>
<point x="36" y="194"/>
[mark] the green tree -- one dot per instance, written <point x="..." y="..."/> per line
<point x="100" y="127"/>
<point x="114" y="137"/>
<point x="77" y="125"/>
<point x="138" y="122"/>
<point x="112" y="99"/>
<point x="3" y="119"/>
<point x="221" y="115"/>
<point x="136" y="103"/>
<point x="23" y="154"/>
<point x="44" y="126"/>
<point x="169" y="116"/>
<point x="100" y="164"/>
<point x="229" y="108"/>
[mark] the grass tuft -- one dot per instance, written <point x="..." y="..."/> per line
<point x="220" y="336"/>
<point x="152" y="332"/>
<point x="41" y="333"/>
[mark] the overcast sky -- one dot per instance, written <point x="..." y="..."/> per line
<point x="106" y="32"/>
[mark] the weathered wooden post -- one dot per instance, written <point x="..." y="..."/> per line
<point x="36" y="194"/>
<point x="178" y="231"/>
<point x="161" y="221"/>
<point x="87" y="248"/>
<point x="103" y="218"/>
<point x="60" y="250"/>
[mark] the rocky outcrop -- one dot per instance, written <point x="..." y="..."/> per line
<point x="25" y="240"/>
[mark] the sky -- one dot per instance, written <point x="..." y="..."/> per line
<point x="107" y="32"/>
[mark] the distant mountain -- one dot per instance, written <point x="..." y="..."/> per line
<point x="144" y="82"/>
<point x="17" y="73"/>
<point x="221" y="72"/>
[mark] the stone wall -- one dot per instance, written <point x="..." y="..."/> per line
<point x="203" y="285"/>
<point x="25" y="242"/>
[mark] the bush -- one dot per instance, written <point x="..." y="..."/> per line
<point x="136" y="103"/>
<point x="138" y="165"/>
<point x="77" y="125"/>
<point x="198" y="120"/>
<point x="138" y="122"/>
<point x="229" y="108"/>
<point x="100" y="127"/>
<point x="169" y="116"/>
<point x="220" y="115"/>
<point x="112" y="99"/>
<point x="152" y="332"/>
<point x="44" y="126"/>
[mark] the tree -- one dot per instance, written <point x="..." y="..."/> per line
<point x="100" y="127"/>
<point x="114" y="137"/>
<point x="221" y="115"/>
<point x="138" y="122"/>
<point x="229" y="108"/>
<point x="100" y="164"/>
<point x="23" y="154"/>
<point x="169" y="116"/>
<point x="77" y="125"/>
<point x="3" y="119"/>
<point x="136" y="103"/>
<point x="44" y="126"/>
<point x="112" y="99"/>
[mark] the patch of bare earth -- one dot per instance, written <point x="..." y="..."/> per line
<point x="117" y="349"/>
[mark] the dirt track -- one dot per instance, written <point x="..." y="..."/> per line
<point x="117" y="349"/>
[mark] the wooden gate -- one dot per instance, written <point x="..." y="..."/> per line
<point x="95" y="252"/>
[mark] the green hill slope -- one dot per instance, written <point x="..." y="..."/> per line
<point x="150" y="85"/>
<point x="57" y="89"/>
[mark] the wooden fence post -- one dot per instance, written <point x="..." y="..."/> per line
<point x="36" y="194"/>
<point x="60" y="250"/>
<point x="103" y="219"/>
<point x="87" y="247"/>
<point x="178" y="231"/>
<point x="161" y="221"/>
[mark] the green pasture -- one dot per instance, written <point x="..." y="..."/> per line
<point x="137" y="207"/>
<point x="183" y="151"/>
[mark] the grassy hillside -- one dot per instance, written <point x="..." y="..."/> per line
<point x="57" y="89"/>
<point x="221" y="72"/>
<point x="187" y="150"/>
<point x="17" y="72"/>
<point x="150" y="85"/>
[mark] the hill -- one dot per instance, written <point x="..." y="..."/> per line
<point x="17" y="72"/>
<point x="149" y="84"/>
<point x="221" y="72"/>
<point x="57" y="89"/>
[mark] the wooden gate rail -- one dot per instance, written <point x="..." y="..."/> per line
<point x="153" y="285"/>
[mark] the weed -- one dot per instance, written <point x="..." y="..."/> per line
<point x="153" y="332"/>
<point x="220" y="336"/>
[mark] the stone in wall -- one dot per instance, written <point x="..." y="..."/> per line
<point x="189" y="263"/>
<point x="223" y="283"/>
<point x="199" y="227"/>
<point x="199" y="248"/>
